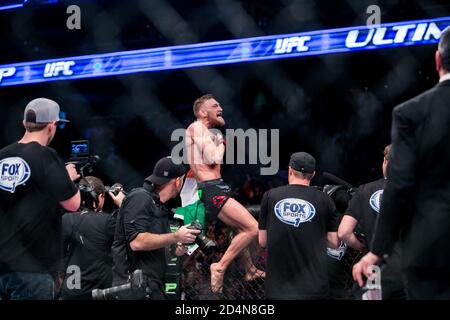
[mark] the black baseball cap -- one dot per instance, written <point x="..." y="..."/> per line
<point x="166" y="170"/>
<point x="303" y="162"/>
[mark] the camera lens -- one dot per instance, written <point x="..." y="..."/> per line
<point x="205" y="244"/>
<point x="137" y="288"/>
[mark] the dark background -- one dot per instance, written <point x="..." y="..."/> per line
<point x="337" y="107"/>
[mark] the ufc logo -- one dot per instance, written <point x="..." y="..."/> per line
<point x="54" y="69"/>
<point x="286" y="45"/>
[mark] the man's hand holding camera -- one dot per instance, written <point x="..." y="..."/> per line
<point x="185" y="235"/>
<point x="117" y="195"/>
<point x="72" y="171"/>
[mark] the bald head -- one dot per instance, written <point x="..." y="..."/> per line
<point x="443" y="53"/>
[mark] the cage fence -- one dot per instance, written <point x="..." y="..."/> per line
<point x="244" y="279"/>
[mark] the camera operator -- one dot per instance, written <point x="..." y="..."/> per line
<point x="363" y="210"/>
<point x="87" y="239"/>
<point x="143" y="231"/>
<point x="339" y="273"/>
<point x="33" y="185"/>
<point x="296" y="223"/>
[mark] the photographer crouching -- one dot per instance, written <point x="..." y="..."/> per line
<point x="143" y="231"/>
<point x="87" y="239"/>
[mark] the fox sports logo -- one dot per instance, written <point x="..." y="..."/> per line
<point x="14" y="171"/>
<point x="294" y="211"/>
<point x="375" y="200"/>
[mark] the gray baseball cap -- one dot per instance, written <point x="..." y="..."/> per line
<point x="45" y="111"/>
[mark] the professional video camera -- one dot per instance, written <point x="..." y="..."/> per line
<point x="205" y="244"/>
<point x="137" y="288"/>
<point x="115" y="189"/>
<point x="81" y="156"/>
<point x="340" y="191"/>
<point x="193" y="216"/>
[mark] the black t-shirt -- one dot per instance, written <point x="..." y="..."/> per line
<point x="33" y="180"/>
<point x="141" y="212"/>
<point x="297" y="219"/>
<point x="88" y="237"/>
<point x="365" y="206"/>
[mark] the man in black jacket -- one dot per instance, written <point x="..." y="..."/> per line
<point x="143" y="235"/>
<point x="416" y="200"/>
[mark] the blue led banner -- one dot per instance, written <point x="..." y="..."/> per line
<point x="388" y="35"/>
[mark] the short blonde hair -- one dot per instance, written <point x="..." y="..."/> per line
<point x="34" y="127"/>
<point x="199" y="102"/>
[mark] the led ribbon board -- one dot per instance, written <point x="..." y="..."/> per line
<point x="388" y="35"/>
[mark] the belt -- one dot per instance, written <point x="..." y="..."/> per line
<point x="208" y="183"/>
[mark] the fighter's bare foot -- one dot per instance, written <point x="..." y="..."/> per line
<point x="216" y="278"/>
<point x="254" y="273"/>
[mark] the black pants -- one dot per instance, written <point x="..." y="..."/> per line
<point x="427" y="283"/>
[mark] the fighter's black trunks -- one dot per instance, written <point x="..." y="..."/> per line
<point x="214" y="195"/>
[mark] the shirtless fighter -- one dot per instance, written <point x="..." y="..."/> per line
<point x="206" y="147"/>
